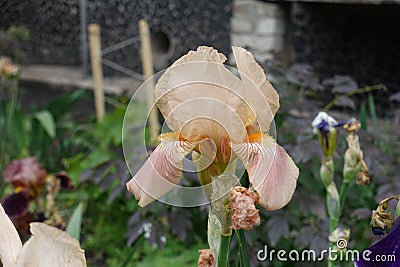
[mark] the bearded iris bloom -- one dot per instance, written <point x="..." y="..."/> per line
<point x="16" y="206"/>
<point x="26" y="174"/>
<point x="30" y="181"/>
<point x="215" y="114"/>
<point x="48" y="246"/>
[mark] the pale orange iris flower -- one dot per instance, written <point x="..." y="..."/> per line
<point x="47" y="247"/>
<point x="203" y="101"/>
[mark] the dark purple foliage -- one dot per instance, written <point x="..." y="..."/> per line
<point x="341" y="84"/>
<point x="303" y="75"/>
<point x="345" y="102"/>
<point x="180" y="224"/>
<point x="106" y="176"/>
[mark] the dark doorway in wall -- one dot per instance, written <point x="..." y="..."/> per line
<point x="162" y="48"/>
<point x="360" y="40"/>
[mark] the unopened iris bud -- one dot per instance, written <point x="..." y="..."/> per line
<point x="333" y="201"/>
<point x="326" y="172"/>
<point x="354" y="164"/>
<point x="323" y="126"/>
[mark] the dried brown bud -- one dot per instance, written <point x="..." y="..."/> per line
<point x="363" y="176"/>
<point x="352" y="125"/>
<point x="354" y="162"/>
<point x="381" y="219"/>
<point x="206" y="258"/>
<point x="243" y="201"/>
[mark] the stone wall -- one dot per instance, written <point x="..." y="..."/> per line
<point x="260" y="27"/>
<point x="177" y="26"/>
<point x="357" y="40"/>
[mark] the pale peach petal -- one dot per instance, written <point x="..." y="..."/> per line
<point x="208" y="117"/>
<point x="199" y="90"/>
<point x="10" y="244"/>
<point x="259" y="92"/>
<point x="271" y="171"/>
<point x="49" y="247"/>
<point x="161" y="172"/>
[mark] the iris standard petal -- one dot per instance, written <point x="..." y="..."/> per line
<point x="162" y="171"/>
<point x="271" y="170"/>
<point x="258" y="90"/>
<point x="10" y="244"/>
<point x="198" y="89"/>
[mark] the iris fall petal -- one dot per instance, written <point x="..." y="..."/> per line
<point x="161" y="172"/>
<point x="271" y="171"/>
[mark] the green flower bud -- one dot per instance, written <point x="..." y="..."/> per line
<point x="354" y="165"/>
<point x="326" y="172"/>
<point x="323" y="125"/>
<point x="350" y="171"/>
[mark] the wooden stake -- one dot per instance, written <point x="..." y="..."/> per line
<point x="147" y="66"/>
<point x="97" y="69"/>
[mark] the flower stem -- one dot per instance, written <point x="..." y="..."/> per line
<point x="333" y="200"/>
<point x="223" y="256"/>
<point x="343" y="194"/>
<point x="356" y="91"/>
<point x="333" y="223"/>
<point x="244" y="256"/>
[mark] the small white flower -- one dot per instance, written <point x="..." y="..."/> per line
<point x="147" y="227"/>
